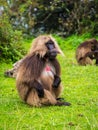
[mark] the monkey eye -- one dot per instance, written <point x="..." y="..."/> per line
<point x="50" y="45"/>
<point x="92" y="42"/>
<point x="93" y="48"/>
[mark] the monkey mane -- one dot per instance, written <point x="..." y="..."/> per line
<point x="88" y="43"/>
<point x="32" y="66"/>
<point x="93" y="40"/>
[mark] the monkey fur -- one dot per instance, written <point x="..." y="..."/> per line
<point x="87" y="52"/>
<point x="38" y="79"/>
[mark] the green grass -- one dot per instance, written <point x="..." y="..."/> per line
<point x="80" y="89"/>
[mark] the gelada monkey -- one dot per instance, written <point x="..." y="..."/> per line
<point x="38" y="79"/>
<point x="87" y="52"/>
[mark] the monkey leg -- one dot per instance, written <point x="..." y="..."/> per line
<point x="57" y="91"/>
<point x="60" y="101"/>
<point x="85" y="61"/>
<point x="88" y="61"/>
<point x="34" y="93"/>
<point x="29" y="95"/>
<point x="49" y="99"/>
<point x="33" y="99"/>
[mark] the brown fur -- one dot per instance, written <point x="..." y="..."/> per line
<point x="83" y="49"/>
<point x="33" y="69"/>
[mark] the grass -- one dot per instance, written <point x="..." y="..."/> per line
<point x="80" y="89"/>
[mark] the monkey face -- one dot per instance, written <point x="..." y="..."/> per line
<point x="50" y="45"/>
<point x="9" y="73"/>
<point x="94" y="44"/>
<point x="52" y="52"/>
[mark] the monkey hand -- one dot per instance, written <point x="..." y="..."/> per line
<point x="57" y="81"/>
<point x="39" y="90"/>
<point x="90" y="55"/>
<point x="51" y="54"/>
<point x="96" y="54"/>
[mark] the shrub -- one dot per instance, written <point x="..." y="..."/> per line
<point x="11" y="41"/>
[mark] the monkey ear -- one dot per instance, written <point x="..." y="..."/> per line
<point x="36" y="48"/>
<point x="92" y="42"/>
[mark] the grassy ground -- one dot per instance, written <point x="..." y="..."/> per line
<point x="80" y="89"/>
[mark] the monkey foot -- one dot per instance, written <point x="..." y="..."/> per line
<point x="63" y="104"/>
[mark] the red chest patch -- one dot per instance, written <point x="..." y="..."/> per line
<point x="48" y="68"/>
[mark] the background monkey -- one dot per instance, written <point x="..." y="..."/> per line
<point x="87" y="51"/>
<point x="38" y="79"/>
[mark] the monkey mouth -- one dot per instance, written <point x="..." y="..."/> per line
<point x="55" y="50"/>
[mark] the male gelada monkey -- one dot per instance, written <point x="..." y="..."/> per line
<point x="38" y="79"/>
<point x="87" y="52"/>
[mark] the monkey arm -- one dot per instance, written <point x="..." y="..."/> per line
<point x="57" y="81"/>
<point x="96" y="56"/>
<point x="90" y="55"/>
<point x="39" y="88"/>
<point x="34" y="85"/>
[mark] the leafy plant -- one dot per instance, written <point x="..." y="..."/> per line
<point x="11" y="41"/>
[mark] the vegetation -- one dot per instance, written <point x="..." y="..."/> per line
<point x="64" y="17"/>
<point x="80" y="89"/>
<point x="21" y="18"/>
<point x="11" y="41"/>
